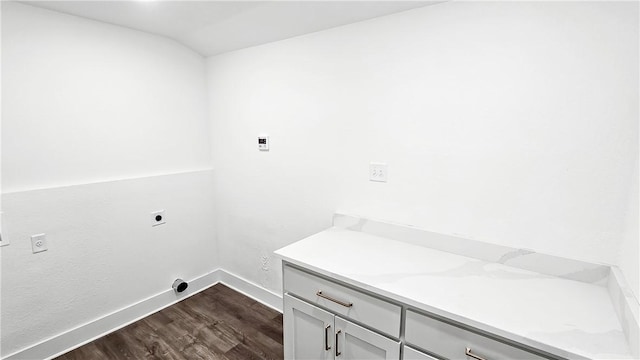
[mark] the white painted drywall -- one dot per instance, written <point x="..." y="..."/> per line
<point x="101" y="126"/>
<point x="514" y="123"/>
<point x="103" y="255"/>
<point x="86" y="101"/>
<point x="1" y="233"/>
<point x="508" y="123"/>
<point x="630" y="248"/>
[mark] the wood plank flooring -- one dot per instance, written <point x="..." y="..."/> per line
<point x="218" y="323"/>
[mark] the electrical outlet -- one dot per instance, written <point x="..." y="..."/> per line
<point x="158" y="218"/>
<point x="38" y="243"/>
<point x="378" y="172"/>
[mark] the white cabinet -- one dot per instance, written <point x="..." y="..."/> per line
<point x="354" y="342"/>
<point x="343" y="301"/>
<point x="454" y="342"/>
<point x="311" y="333"/>
<point x="413" y="354"/>
<point x="326" y="319"/>
<point x="308" y="331"/>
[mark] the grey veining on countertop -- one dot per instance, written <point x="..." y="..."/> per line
<point x="520" y="258"/>
<point x="565" y="309"/>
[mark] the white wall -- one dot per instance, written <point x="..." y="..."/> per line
<point x="1" y="232"/>
<point x="103" y="255"/>
<point x="511" y="123"/>
<point x="101" y="126"/>
<point x="85" y="101"/>
<point x="630" y="248"/>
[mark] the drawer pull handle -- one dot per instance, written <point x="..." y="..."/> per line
<point x="345" y="304"/>
<point x="471" y="355"/>
<point x="327" y="347"/>
<point x="338" y="353"/>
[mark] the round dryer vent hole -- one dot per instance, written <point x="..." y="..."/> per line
<point x="179" y="286"/>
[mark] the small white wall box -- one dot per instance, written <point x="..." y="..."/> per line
<point x="263" y="142"/>
<point x="158" y="218"/>
<point x="378" y="172"/>
<point x="38" y="243"/>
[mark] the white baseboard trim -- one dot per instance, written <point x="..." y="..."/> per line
<point x="83" y="334"/>
<point x="252" y="290"/>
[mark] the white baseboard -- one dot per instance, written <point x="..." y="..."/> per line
<point x="254" y="291"/>
<point x="83" y="334"/>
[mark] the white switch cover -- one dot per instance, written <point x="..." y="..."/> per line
<point x="38" y="243"/>
<point x="378" y="172"/>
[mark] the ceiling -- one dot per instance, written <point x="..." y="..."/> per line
<point x="214" y="27"/>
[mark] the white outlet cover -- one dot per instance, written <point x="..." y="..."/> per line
<point x="39" y="243"/>
<point x="158" y="218"/>
<point x="378" y="172"/>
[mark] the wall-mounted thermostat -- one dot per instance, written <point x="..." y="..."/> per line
<point x="263" y="143"/>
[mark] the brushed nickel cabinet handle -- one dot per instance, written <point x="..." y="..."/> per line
<point x="327" y="347"/>
<point x="471" y="355"/>
<point x="345" y="304"/>
<point x="338" y="353"/>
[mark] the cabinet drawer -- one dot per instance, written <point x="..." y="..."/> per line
<point x="451" y="342"/>
<point x="376" y="313"/>
<point x="412" y="354"/>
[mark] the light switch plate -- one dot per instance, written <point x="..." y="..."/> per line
<point x="39" y="243"/>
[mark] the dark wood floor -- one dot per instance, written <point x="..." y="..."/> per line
<point x="218" y="323"/>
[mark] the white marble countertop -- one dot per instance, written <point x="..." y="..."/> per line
<point x="567" y="318"/>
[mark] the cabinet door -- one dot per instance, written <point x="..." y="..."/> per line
<point x="308" y="331"/>
<point x="353" y="342"/>
<point x="412" y="354"/>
